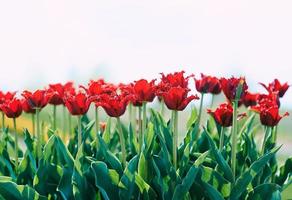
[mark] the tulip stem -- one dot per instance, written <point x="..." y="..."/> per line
<point x="221" y="144"/>
<point x="39" y="139"/>
<point x="79" y="131"/>
<point x="140" y="129"/>
<point x="122" y="140"/>
<point x="212" y="101"/>
<point x="64" y="120"/>
<point x="175" y="137"/>
<point x="55" y="117"/>
<point x="267" y="132"/>
<point x="33" y="123"/>
<point x="234" y="138"/>
<point x="69" y="125"/>
<point x="16" y="144"/>
<point x="162" y="108"/>
<point x="3" y="121"/>
<point x="96" y="120"/>
<point x="144" y="121"/>
<point x="200" y="109"/>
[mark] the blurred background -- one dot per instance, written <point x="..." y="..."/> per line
<point x="49" y="41"/>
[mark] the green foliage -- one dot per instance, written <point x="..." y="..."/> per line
<point x="94" y="171"/>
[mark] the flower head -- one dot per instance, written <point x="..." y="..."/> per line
<point x="78" y="103"/>
<point x="26" y="107"/>
<point x="12" y="108"/>
<point x="229" y="87"/>
<point x="250" y="99"/>
<point x="208" y="84"/>
<point x="276" y="86"/>
<point x="223" y="115"/>
<point x="57" y="92"/>
<point x="37" y="99"/>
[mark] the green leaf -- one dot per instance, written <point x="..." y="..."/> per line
<point x="182" y="189"/>
<point x="212" y="193"/>
<point x="104" y="181"/>
<point x="267" y="191"/>
<point x="285" y="175"/>
<point x="145" y="189"/>
<point x="223" y="165"/>
<point x="10" y="190"/>
<point x="107" y="132"/>
<point x="245" y="179"/>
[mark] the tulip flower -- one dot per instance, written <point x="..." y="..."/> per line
<point x="28" y="109"/>
<point x="78" y="105"/>
<point x="176" y="79"/>
<point x="4" y="97"/>
<point x="115" y="106"/>
<point x="57" y="92"/>
<point x="37" y="100"/>
<point x="13" y="109"/>
<point x="208" y="84"/>
<point x="276" y="86"/>
<point x="223" y="115"/>
<point x="250" y="99"/>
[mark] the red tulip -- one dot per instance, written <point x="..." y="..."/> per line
<point x="176" y="79"/>
<point x="6" y="96"/>
<point x="272" y="97"/>
<point x="26" y="107"/>
<point x="99" y="87"/>
<point x="276" y="86"/>
<point x="114" y="105"/>
<point x="229" y="87"/>
<point x="176" y="98"/>
<point x="77" y="104"/>
<point x="12" y="108"/>
<point x="250" y="99"/>
<point x="223" y="115"/>
<point x="208" y="84"/>
<point x="37" y="99"/>
<point x="57" y="92"/>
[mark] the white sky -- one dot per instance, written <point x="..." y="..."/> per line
<point x="57" y="40"/>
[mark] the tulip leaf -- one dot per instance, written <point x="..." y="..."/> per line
<point x="245" y="179"/>
<point x="219" y="158"/>
<point x="267" y="191"/>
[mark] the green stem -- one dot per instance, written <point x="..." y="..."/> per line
<point x="162" y="108"/>
<point x="267" y="132"/>
<point x="69" y="125"/>
<point x="200" y="109"/>
<point x="39" y="138"/>
<point x="212" y="101"/>
<point x="221" y="138"/>
<point x="175" y="137"/>
<point x="234" y="138"/>
<point x="3" y="121"/>
<point x="96" y="120"/>
<point x="33" y="123"/>
<point x="140" y="129"/>
<point x="64" y="120"/>
<point x="122" y="141"/>
<point x="16" y="144"/>
<point x="144" y="121"/>
<point x="79" y="132"/>
<point x="130" y="113"/>
<point x="55" y="117"/>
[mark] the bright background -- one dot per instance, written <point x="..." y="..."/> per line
<point x="45" y="41"/>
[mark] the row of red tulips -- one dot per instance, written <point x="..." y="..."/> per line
<point x="172" y="90"/>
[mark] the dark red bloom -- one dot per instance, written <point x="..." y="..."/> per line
<point x="272" y="97"/>
<point x="57" y="92"/>
<point x="77" y="104"/>
<point x="26" y="107"/>
<point x="141" y="90"/>
<point x="250" y="99"/>
<point x="12" y="108"/>
<point x="276" y="86"/>
<point x="229" y="87"/>
<point x="99" y="87"/>
<point x="223" y="115"/>
<point x="37" y="99"/>
<point x="114" y="105"/>
<point x="208" y="84"/>
<point x="6" y="96"/>
<point x="176" y="98"/>
<point x="176" y="79"/>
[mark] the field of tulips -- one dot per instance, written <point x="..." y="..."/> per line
<point x="146" y="155"/>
